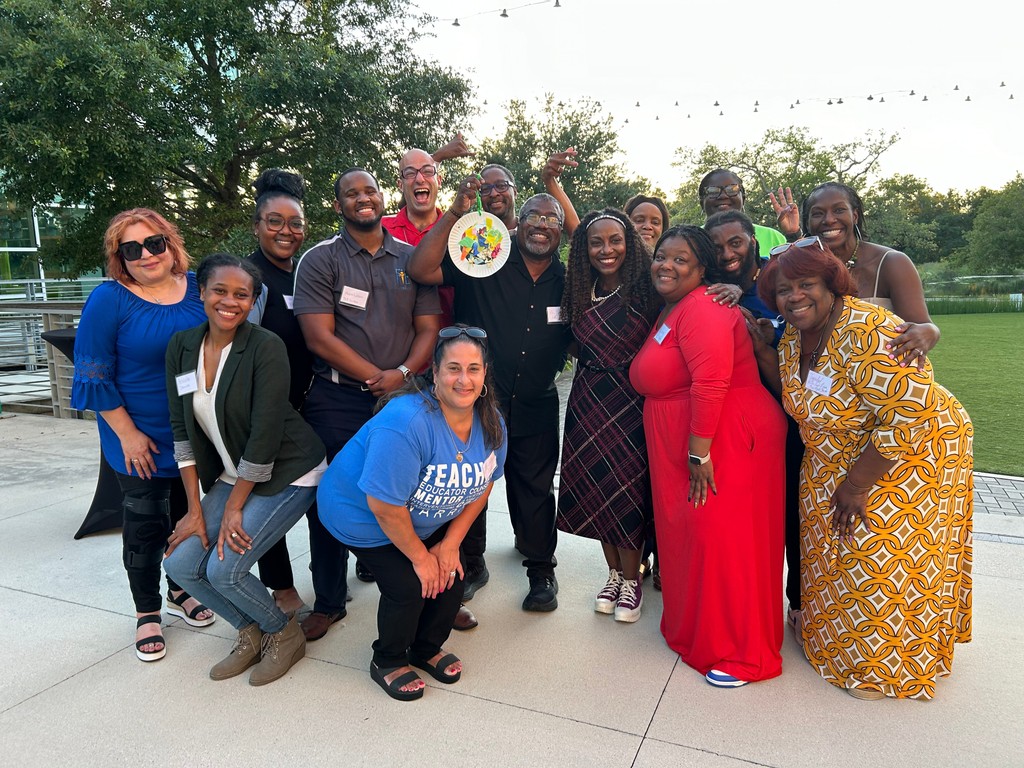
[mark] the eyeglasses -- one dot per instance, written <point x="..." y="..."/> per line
<point x="498" y="186"/>
<point x="537" y="220"/>
<point x="275" y="222"/>
<point x="454" y="331"/>
<point x="730" y="191"/>
<point x="803" y="242"/>
<point x="131" y="250"/>
<point x="427" y="171"/>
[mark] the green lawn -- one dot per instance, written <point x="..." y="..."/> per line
<point x="980" y="359"/>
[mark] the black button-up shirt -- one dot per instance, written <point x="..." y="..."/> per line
<point x="527" y="351"/>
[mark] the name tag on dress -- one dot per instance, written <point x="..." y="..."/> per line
<point x="819" y="383"/>
<point x="354" y="297"/>
<point x="554" y="315"/>
<point x="289" y="301"/>
<point x="662" y="333"/>
<point x="187" y="382"/>
<point x="490" y="464"/>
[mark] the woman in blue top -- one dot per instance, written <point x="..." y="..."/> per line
<point x="403" y="492"/>
<point x="119" y="373"/>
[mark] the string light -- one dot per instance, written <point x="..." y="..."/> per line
<point x="501" y="12"/>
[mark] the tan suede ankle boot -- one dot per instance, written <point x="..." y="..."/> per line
<point x="244" y="654"/>
<point x="280" y="651"/>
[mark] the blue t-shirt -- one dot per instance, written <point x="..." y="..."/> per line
<point x="405" y="455"/>
<point x="119" y="360"/>
<point x="751" y="301"/>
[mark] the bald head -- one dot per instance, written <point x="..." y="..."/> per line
<point x="418" y="181"/>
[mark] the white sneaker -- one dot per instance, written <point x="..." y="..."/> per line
<point x="609" y="595"/>
<point x="631" y="597"/>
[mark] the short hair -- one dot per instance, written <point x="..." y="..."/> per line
<point x="116" y="267"/>
<point x="703" y="186"/>
<point x="805" y="261"/>
<point x="727" y="217"/>
<point x="348" y="171"/>
<point x="502" y="168"/>
<point x="532" y="201"/>
<point x="701" y="244"/>
<point x="851" y="196"/>
<point x="274" y="183"/>
<point x="215" y="261"/>
<point x="637" y="200"/>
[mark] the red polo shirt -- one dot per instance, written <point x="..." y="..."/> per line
<point x="399" y="226"/>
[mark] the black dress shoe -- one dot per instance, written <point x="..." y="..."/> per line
<point x="363" y="573"/>
<point x="543" y="591"/>
<point x="474" y="580"/>
<point x="464" y="619"/>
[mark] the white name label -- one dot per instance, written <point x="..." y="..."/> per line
<point x="554" y="315"/>
<point x="353" y="297"/>
<point x="289" y="301"/>
<point x="490" y="464"/>
<point x="662" y="333"/>
<point x="819" y="383"/>
<point x="186" y="382"/>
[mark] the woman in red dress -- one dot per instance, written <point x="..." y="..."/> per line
<point x="716" y="438"/>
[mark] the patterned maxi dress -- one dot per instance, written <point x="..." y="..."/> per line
<point x="887" y="610"/>
<point x="604" y="491"/>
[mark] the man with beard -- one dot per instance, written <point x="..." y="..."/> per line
<point x="369" y="326"/>
<point x="519" y="308"/>
<point x="733" y="234"/>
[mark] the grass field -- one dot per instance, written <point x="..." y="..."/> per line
<point x="980" y="359"/>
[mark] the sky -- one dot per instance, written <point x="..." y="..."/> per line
<point x="772" y="53"/>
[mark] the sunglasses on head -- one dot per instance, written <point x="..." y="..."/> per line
<point x="454" y="331"/>
<point x="803" y="242"/>
<point x="131" y="250"/>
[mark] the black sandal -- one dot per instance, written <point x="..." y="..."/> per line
<point x="176" y="607"/>
<point x="153" y="618"/>
<point x="437" y="671"/>
<point x="394" y="688"/>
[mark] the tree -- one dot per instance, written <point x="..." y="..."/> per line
<point x="529" y="139"/>
<point x="894" y="215"/>
<point x="178" y="104"/>
<point x="788" y="157"/>
<point x="995" y="245"/>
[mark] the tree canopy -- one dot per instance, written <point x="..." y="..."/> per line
<point x="178" y="105"/>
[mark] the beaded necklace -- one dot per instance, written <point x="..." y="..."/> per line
<point x="598" y="299"/>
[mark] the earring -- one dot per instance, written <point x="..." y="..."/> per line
<point x="483" y="392"/>
<point x="433" y="391"/>
<point x="856" y="229"/>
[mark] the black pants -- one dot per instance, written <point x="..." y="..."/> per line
<point x="275" y="567"/>
<point x="335" y="412"/>
<point x="142" y="546"/>
<point x="529" y="487"/>
<point x="794" y="458"/>
<point x="408" y="623"/>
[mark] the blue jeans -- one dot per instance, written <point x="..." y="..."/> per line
<point x="226" y="586"/>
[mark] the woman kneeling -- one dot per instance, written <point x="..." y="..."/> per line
<point x="403" y="492"/>
<point x="257" y="460"/>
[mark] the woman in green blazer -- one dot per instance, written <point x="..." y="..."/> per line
<point x="258" y="462"/>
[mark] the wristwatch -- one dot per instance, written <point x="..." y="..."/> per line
<point x="406" y="373"/>
<point x="700" y="460"/>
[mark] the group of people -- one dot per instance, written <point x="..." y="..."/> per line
<point x="743" y="396"/>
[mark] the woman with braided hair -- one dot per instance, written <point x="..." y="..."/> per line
<point x="604" y="493"/>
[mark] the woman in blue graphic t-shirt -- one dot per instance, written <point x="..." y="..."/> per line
<point x="403" y="493"/>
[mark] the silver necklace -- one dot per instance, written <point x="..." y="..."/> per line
<point x="598" y="299"/>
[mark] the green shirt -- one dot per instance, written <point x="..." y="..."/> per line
<point x="767" y="238"/>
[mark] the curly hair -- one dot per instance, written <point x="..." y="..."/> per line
<point x="635" y="286"/>
<point x="805" y="261"/>
<point x="116" y="267"/>
<point x="274" y="183"/>
<point x="852" y="197"/>
<point x="703" y="248"/>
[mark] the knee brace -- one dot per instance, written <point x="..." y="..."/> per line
<point x="147" y="524"/>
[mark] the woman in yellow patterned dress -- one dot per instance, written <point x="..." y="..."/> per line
<point x="886" y="487"/>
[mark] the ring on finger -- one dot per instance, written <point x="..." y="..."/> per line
<point x="234" y="535"/>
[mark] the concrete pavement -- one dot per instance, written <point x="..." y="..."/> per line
<point x="570" y="688"/>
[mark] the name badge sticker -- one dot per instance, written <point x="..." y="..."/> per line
<point x="354" y="297"/>
<point x="187" y="383"/>
<point x="289" y="301"/>
<point x="490" y="464"/>
<point x="819" y="383"/>
<point x="662" y="333"/>
<point x="554" y="315"/>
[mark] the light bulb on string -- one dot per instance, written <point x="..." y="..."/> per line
<point x="456" y="23"/>
<point x="504" y="13"/>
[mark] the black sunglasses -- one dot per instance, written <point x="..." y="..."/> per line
<point x="131" y="250"/>
<point x="454" y="331"/>
<point x="729" y="191"/>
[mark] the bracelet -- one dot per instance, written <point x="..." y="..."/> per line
<point x="855" y="486"/>
<point x="792" y="237"/>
